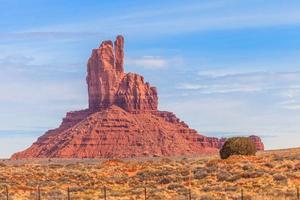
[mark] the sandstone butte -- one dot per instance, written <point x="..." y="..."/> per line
<point x="122" y="119"/>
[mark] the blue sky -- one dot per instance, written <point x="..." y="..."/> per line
<point x="226" y="67"/>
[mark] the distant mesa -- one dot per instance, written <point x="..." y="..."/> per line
<point x="122" y="119"/>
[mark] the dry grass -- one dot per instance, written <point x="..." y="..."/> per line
<point x="269" y="175"/>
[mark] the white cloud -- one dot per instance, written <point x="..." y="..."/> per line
<point x="217" y="73"/>
<point x="15" y="60"/>
<point x="153" y="62"/>
<point x="41" y="92"/>
<point x="291" y="96"/>
<point x="37" y="94"/>
<point x="292" y="106"/>
<point x="219" y="88"/>
<point x="291" y="92"/>
<point x="20" y="81"/>
<point x="285" y="83"/>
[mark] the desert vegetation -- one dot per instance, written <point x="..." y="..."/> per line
<point x="268" y="175"/>
<point x="238" y="146"/>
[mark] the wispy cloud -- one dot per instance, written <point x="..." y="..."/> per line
<point x="27" y="63"/>
<point x="229" y="82"/>
<point x="291" y="96"/>
<point x="219" y="88"/>
<point x="153" y="62"/>
<point x="42" y="92"/>
<point x="292" y="104"/>
<point x="168" y="19"/>
<point x="49" y="35"/>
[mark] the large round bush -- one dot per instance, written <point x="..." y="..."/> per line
<point x="237" y="146"/>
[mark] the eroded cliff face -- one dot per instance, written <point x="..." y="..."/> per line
<point x="135" y="95"/>
<point x="103" y="78"/>
<point x="258" y="143"/>
<point x="108" y="84"/>
<point x="122" y="119"/>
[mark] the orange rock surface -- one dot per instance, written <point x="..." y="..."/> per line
<point x="108" y="84"/>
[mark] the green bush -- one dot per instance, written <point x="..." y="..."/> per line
<point x="238" y="146"/>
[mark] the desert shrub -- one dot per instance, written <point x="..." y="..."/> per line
<point x="254" y="174"/>
<point x="297" y="167"/>
<point x="278" y="158"/>
<point x="223" y="176"/>
<point x="285" y="166"/>
<point x="238" y="146"/>
<point x="164" y="181"/>
<point x="212" y="163"/>
<point x="207" y="197"/>
<point x="145" y="175"/>
<point x="247" y="197"/>
<point x="231" y="188"/>
<point x="166" y="160"/>
<point x="55" y="166"/>
<point x="71" y="166"/>
<point x="269" y="165"/>
<point x="179" y="189"/>
<point x="175" y="186"/>
<point x="200" y="173"/>
<point x="164" y="172"/>
<point x="2" y="165"/>
<point x="247" y="167"/>
<point x="234" y="177"/>
<point x="184" y="173"/>
<point x="279" y="177"/>
<point x="211" y="169"/>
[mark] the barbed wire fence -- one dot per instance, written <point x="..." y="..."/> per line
<point x="105" y="191"/>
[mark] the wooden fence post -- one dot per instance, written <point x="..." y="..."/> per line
<point x="190" y="180"/>
<point x="38" y="193"/>
<point x="104" y="190"/>
<point x="190" y="194"/>
<point x="242" y="194"/>
<point x="145" y="193"/>
<point x="6" y="192"/>
<point x="69" y="197"/>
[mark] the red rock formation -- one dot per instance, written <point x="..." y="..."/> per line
<point x="119" y="54"/>
<point x="109" y="85"/>
<point x="133" y="94"/>
<point x="122" y="119"/>
<point x="258" y="143"/>
<point x="103" y="78"/>
<point x="221" y="142"/>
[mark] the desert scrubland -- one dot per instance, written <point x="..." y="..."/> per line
<point x="268" y="175"/>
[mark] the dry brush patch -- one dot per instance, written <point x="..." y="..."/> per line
<point x="269" y="175"/>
